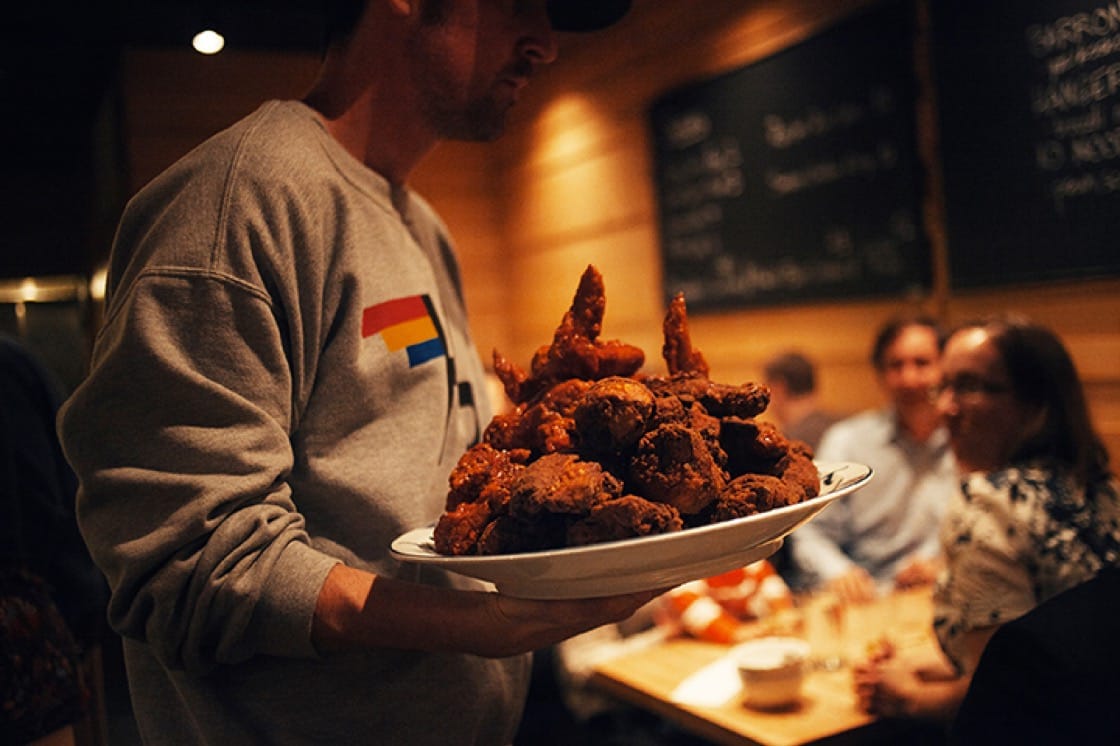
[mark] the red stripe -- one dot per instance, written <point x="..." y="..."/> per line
<point x="376" y="318"/>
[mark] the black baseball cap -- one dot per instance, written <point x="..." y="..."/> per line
<point x="585" y="15"/>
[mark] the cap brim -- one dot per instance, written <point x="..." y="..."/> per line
<point x="585" y="15"/>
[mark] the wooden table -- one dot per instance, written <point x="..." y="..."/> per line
<point x="828" y="709"/>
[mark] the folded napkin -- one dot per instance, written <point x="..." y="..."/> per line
<point x="711" y="686"/>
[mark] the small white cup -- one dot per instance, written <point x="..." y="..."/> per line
<point x="771" y="670"/>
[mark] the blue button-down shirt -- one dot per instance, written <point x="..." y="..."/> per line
<point x="894" y="517"/>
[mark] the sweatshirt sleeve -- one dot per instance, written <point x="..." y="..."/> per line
<point x="180" y="438"/>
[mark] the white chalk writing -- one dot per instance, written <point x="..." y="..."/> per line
<point x="1044" y="40"/>
<point x="1075" y="102"/>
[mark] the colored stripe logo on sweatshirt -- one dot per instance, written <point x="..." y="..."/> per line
<point x="406" y="324"/>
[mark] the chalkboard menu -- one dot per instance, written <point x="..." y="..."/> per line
<point x="1029" y="95"/>
<point x="796" y="178"/>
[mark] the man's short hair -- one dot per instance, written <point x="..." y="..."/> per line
<point x="795" y="370"/>
<point x="893" y="329"/>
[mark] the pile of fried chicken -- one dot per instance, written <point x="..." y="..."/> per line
<point x="595" y="451"/>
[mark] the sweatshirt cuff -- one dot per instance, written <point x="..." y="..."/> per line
<point x="287" y="606"/>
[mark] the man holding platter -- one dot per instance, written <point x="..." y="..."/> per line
<point x="283" y="383"/>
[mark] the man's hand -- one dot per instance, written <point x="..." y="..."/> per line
<point x="854" y="586"/>
<point x="358" y="610"/>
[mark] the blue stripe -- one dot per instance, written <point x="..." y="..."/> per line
<point x="425" y="351"/>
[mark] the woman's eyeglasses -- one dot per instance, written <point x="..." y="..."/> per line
<point x="968" y="387"/>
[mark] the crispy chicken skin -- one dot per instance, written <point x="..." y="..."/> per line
<point x="674" y="465"/>
<point x="613" y="414"/>
<point x="561" y="483"/>
<point x="797" y="470"/>
<point x="750" y="494"/>
<point x="508" y="534"/>
<point x="625" y="518"/>
<point x="543" y="425"/>
<point x="576" y="351"/>
<point x="677" y="349"/>
<point x="479" y="492"/>
<point x="719" y="399"/>
<point x="593" y="450"/>
<point x="752" y="446"/>
<point x="481" y="473"/>
<point x="457" y="531"/>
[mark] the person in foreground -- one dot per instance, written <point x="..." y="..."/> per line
<point x="52" y="597"/>
<point x="284" y="381"/>
<point x="1049" y="676"/>
<point x="885" y="535"/>
<point x="1038" y="511"/>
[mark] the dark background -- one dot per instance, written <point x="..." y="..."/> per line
<point x="61" y="188"/>
<point x="1012" y="215"/>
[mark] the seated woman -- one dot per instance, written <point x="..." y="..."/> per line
<point x="1038" y="511"/>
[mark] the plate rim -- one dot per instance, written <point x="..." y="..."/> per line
<point x="451" y="562"/>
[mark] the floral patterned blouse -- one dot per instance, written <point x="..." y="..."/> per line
<point x="1015" y="537"/>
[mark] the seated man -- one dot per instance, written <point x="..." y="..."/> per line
<point x="886" y="533"/>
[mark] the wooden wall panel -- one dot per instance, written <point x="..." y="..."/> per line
<point x="463" y="181"/>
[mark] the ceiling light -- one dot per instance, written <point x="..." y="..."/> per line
<point x="208" y="42"/>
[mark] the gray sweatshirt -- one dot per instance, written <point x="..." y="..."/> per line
<point x="284" y="380"/>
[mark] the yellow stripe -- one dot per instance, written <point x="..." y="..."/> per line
<point x="399" y="336"/>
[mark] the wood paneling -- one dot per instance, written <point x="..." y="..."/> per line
<point x="463" y="180"/>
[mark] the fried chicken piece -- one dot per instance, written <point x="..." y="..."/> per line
<point x="507" y="430"/>
<point x="613" y="414"/>
<point x="719" y="399"/>
<point x="544" y="425"/>
<point x="572" y="354"/>
<point x="674" y="465"/>
<point x="672" y="409"/>
<point x="481" y="470"/>
<point x="752" y="446"/>
<point x="618" y="359"/>
<point x="514" y="379"/>
<point x="479" y="492"/>
<point x="565" y="396"/>
<point x="457" y="531"/>
<point x="507" y="534"/>
<point x="668" y="408"/>
<point x="750" y="494"/>
<point x="708" y="427"/>
<point x="625" y="518"/>
<point x="561" y="483"/>
<point x="677" y="348"/>
<point x="798" y="471"/>
<point x="576" y="351"/>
